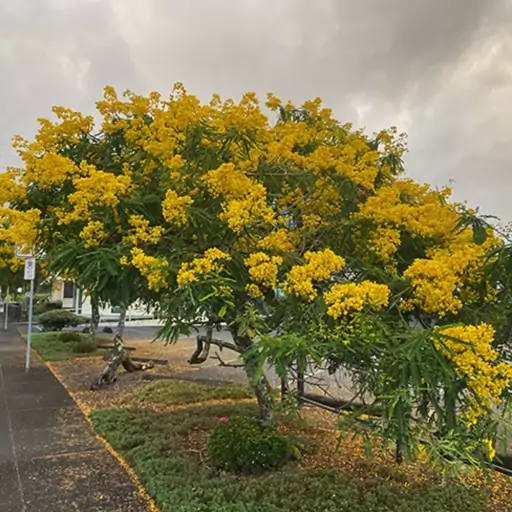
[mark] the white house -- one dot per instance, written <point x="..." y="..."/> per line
<point x="77" y="300"/>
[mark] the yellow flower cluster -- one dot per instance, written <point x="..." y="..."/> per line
<point x="354" y="158"/>
<point x="347" y="298"/>
<point x="98" y="188"/>
<point x="436" y="280"/>
<point x="153" y="269"/>
<point x="324" y="200"/>
<point x="254" y="291"/>
<point x="210" y="263"/>
<point x="263" y="269"/>
<point x="69" y="129"/>
<point x="409" y="205"/>
<point x="49" y="170"/>
<point x="491" y="451"/>
<point x="279" y="241"/>
<point x="435" y="285"/>
<point x="319" y="267"/>
<point x="385" y="243"/>
<point x="11" y="190"/>
<point x="273" y="102"/>
<point x="8" y="259"/>
<point x="175" y="208"/>
<point x="20" y="227"/>
<point x="470" y="349"/>
<point x="245" y="199"/>
<point x="93" y="233"/>
<point x="142" y="232"/>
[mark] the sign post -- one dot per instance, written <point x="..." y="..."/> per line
<point x="30" y="275"/>
<point x="6" y="310"/>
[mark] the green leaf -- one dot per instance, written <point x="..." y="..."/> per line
<point x="479" y="233"/>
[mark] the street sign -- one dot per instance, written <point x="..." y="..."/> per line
<point x="30" y="275"/>
<point x="30" y="269"/>
<point x="23" y="252"/>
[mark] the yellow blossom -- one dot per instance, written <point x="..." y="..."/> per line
<point x="245" y="200"/>
<point x="319" y="267"/>
<point x="21" y="227"/>
<point x="254" y="290"/>
<point x="279" y="241"/>
<point x="93" y="233"/>
<point x="470" y="349"/>
<point x="491" y="451"/>
<point x="175" y="208"/>
<point x="263" y="269"/>
<point x="141" y="231"/>
<point x="439" y="279"/>
<point x="346" y="298"/>
<point x="210" y="263"/>
<point x="97" y="188"/>
<point x="153" y="269"/>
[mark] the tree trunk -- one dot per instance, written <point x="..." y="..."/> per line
<point x="95" y="316"/>
<point x="261" y="387"/>
<point x="262" y="390"/>
<point x="119" y="356"/>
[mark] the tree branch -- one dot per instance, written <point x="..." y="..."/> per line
<point x="203" y="343"/>
<point x="226" y="365"/>
<point x="201" y="352"/>
<point x="220" y="343"/>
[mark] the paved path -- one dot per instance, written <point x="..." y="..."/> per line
<point x="49" y="459"/>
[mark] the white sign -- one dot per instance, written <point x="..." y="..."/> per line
<point x="30" y="269"/>
<point x="23" y="252"/>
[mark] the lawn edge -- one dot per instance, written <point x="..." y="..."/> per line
<point x="85" y="410"/>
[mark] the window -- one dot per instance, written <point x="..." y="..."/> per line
<point x="69" y="290"/>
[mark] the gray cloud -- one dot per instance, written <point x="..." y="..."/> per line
<point x="438" y="69"/>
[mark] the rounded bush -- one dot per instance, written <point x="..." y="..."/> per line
<point x="84" y="347"/>
<point x="71" y="337"/>
<point x="58" y="319"/>
<point x="245" y="444"/>
<point x="44" y="305"/>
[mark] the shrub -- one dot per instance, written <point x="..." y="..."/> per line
<point x="247" y="445"/>
<point x="84" y="346"/>
<point x="44" y="304"/>
<point x="71" y="337"/>
<point x="57" y="320"/>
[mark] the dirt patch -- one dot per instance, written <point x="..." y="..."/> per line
<point x="78" y="374"/>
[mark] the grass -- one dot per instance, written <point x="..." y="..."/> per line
<point x="166" y="450"/>
<point x="179" y="392"/>
<point x="51" y="347"/>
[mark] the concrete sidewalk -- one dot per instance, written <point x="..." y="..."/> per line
<point x="49" y="459"/>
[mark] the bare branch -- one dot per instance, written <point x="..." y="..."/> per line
<point x="220" y="343"/>
<point x="225" y="364"/>
<point x="201" y="352"/>
<point x="203" y="344"/>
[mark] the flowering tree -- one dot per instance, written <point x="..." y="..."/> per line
<point x="302" y="235"/>
<point x="54" y="204"/>
<point x="11" y="270"/>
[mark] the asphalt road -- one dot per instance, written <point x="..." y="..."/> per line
<point x="317" y="380"/>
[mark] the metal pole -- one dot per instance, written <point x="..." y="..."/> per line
<point x="29" y="334"/>
<point x="75" y="297"/>
<point x="6" y="310"/>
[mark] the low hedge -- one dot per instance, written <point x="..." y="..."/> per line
<point x="247" y="445"/>
<point x="178" y="476"/>
<point x="59" y="319"/>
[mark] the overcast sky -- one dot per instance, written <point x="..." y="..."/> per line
<point x="441" y="70"/>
